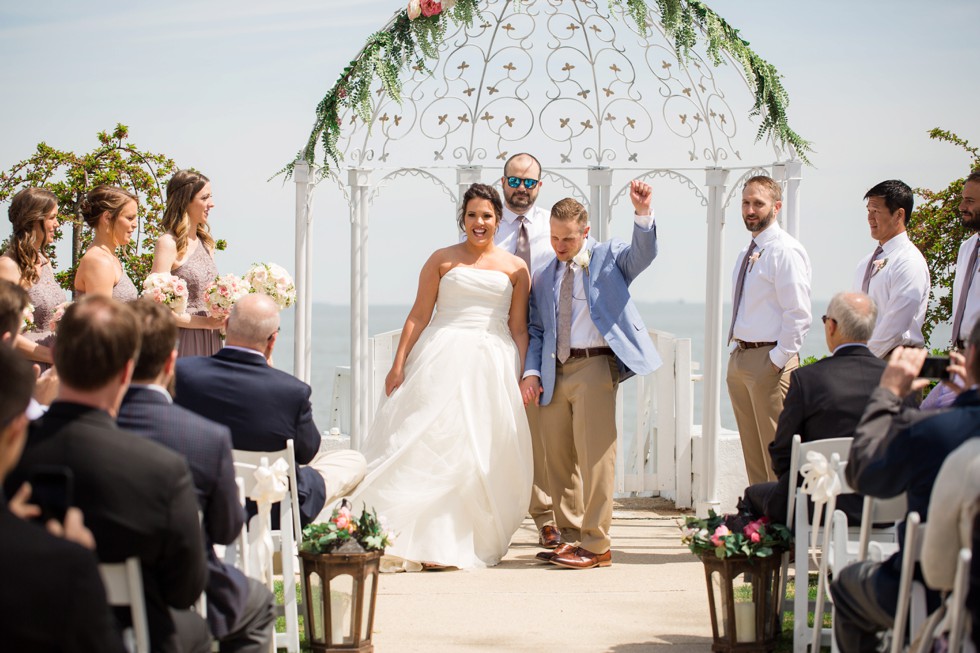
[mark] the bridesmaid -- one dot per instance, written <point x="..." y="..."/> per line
<point x="33" y="214"/>
<point x="187" y="251"/>
<point x="111" y="213"/>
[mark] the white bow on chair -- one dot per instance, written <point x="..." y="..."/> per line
<point x="271" y="484"/>
<point x="822" y="484"/>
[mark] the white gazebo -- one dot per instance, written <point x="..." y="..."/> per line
<point x="599" y="103"/>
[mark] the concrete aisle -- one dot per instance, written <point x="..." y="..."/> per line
<point x="652" y="598"/>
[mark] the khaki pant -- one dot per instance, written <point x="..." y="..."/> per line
<point x="579" y="433"/>
<point x="757" y="392"/>
<point x="540" y="507"/>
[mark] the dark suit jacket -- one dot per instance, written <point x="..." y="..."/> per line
<point x="261" y="405"/>
<point x="885" y="462"/>
<point x="825" y="400"/>
<point x="138" y="499"/>
<point x="51" y="597"/>
<point x="206" y="446"/>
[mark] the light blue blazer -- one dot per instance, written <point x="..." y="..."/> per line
<point x="613" y="267"/>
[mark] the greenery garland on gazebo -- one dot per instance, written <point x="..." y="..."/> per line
<point x="415" y="33"/>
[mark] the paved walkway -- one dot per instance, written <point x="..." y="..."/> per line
<point x="652" y="598"/>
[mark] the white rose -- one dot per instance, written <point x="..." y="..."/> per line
<point x="448" y="4"/>
<point x="414" y="9"/>
<point x="582" y="258"/>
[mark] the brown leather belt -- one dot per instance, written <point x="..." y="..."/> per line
<point x="753" y="345"/>
<point x="590" y="352"/>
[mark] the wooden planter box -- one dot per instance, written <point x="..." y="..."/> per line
<point x="340" y="591"/>
<point x="760" y="620"/>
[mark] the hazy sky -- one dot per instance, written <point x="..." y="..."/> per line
<point x="230" y="88"/>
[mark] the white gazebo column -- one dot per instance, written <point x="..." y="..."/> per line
<point x="466" y="176"/>
<point x="600" y="180"/>
<point x="359" y="180"/>
<point x="793" y="173"/>
<point x="716" y="179"/>
<point x="303" y="265"/>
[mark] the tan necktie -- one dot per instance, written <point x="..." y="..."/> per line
<point x="867" y="273"/>
<point x="739" y="284"/>
<point x="563" y="346"/>
<point x="961" y="305"/>
<point x="523" y="244"/>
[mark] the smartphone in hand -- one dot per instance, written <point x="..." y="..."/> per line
<point x="51" y="490"/>
<point x="935" y="367"/>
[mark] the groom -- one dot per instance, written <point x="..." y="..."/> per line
<point x="586" y="336"/>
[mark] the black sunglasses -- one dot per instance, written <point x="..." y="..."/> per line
<point x="515" y="182"/>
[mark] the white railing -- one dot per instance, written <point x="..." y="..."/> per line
<point x="654" y="449"/>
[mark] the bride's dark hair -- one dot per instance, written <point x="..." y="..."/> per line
<point x="480" y="192"/>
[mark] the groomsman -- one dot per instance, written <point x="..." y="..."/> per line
<point x="586" y="335"/>
<point x="966" y="292"/>
<point x="895" y="275"/>
<point x="770" y="317"/>
<point x="524" y="230"/>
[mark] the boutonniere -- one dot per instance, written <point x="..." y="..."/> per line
<point x="754" y="258"/>
<point x="879" y="265"/>
<point x="582" y="258"/>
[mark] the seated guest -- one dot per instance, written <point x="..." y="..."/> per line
<point x="264" y="406"/>
<point x="886" y="462"/>
<point x="137" y="495"/>
<point x="240" y="610"/>
<point x="825" y="400"/>
<point x="51" y="597"/>
<point x="14" y="300"/>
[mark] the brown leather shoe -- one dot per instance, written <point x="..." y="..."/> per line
<point x="582" y="559"/>
<point x="548" y="556"/>
<point x="549" y="537"/>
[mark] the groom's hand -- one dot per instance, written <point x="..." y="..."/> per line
<point x="531" y="390"/>
<point x="641" y="194"/>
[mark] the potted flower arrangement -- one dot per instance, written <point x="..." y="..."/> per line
<point x="737" y="549"/>
<point x="340" y="561"/>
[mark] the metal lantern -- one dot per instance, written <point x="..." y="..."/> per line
<point x="744" y="625"/>
<point x="340" y="590"/>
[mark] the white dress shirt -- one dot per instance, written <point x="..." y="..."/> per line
<point x="972" y="309"/>
<point x="900" y="288"/>
<point x="538" y="223"/>
<point x="775" y="304"/>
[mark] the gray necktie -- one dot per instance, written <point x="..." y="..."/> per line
<point x="739" y="284"/>
<point x="563" y="345"/>
<point x="961" y="305"/>
<point x="867" y="273"/>
<point x="523" y="244"/>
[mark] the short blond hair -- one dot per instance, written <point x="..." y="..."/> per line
<point x="770" y="184"/>
<point x="570" y="210"/>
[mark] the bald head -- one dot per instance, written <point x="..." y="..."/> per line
<point x="253" y="323"/>
<point x="854" y="315"/>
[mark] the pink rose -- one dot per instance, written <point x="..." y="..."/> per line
<point x="755" y="537"/>
<point x="431" y="7"/>
<point x="720" y="533"/>
<point x="342" y="521"/>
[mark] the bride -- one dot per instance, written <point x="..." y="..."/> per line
<point x="449" y="453"/>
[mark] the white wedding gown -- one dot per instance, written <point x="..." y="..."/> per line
<point x="449" y="453"/>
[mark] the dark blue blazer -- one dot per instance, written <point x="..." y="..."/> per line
<point x="886" y="465"/>
<point x="261" y="405"/>
<point x="206" y="446"/>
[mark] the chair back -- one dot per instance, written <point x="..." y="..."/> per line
<point x="880" y="511"/>
<point x="123" y="583"/>
<point x="957" y="601"/>
<point x="288" y="454"/>
<point x="911" y="594"/>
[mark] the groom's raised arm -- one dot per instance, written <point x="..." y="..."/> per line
<point x="638" y="256"/>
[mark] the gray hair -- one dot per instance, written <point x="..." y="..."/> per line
<point x="855" y="314"/>
<point x="253" y="319"/>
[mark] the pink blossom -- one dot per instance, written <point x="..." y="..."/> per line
<point x="720" y="533"/>
<point x="755" y="537"/>
<point x="431" y="7"/>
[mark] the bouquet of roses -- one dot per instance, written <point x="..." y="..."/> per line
<point x="272" y="280"/>
<point x="734" y="535"/>
<point x="166" y="289"/>
<point x="223" y="293"/>
<point x="57" y="314"/>
<point x="28" y="324"/>
<point x="367" y="532"/>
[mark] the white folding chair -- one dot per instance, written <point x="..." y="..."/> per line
<point x="880" y="542"/>
<point x="958" y="639"/>
<point x="123" y="583"/>
<point x="284" y="539"/>
<point x="911" y="607"/>
<point x="797" y="514"/>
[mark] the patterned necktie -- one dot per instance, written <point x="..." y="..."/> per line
<point x="867" y="273"/>
<point x="739" y="285"/>
<point x="523" y="244"/>
<point x="961" y="305"/>
<point x="563" y="345"/>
